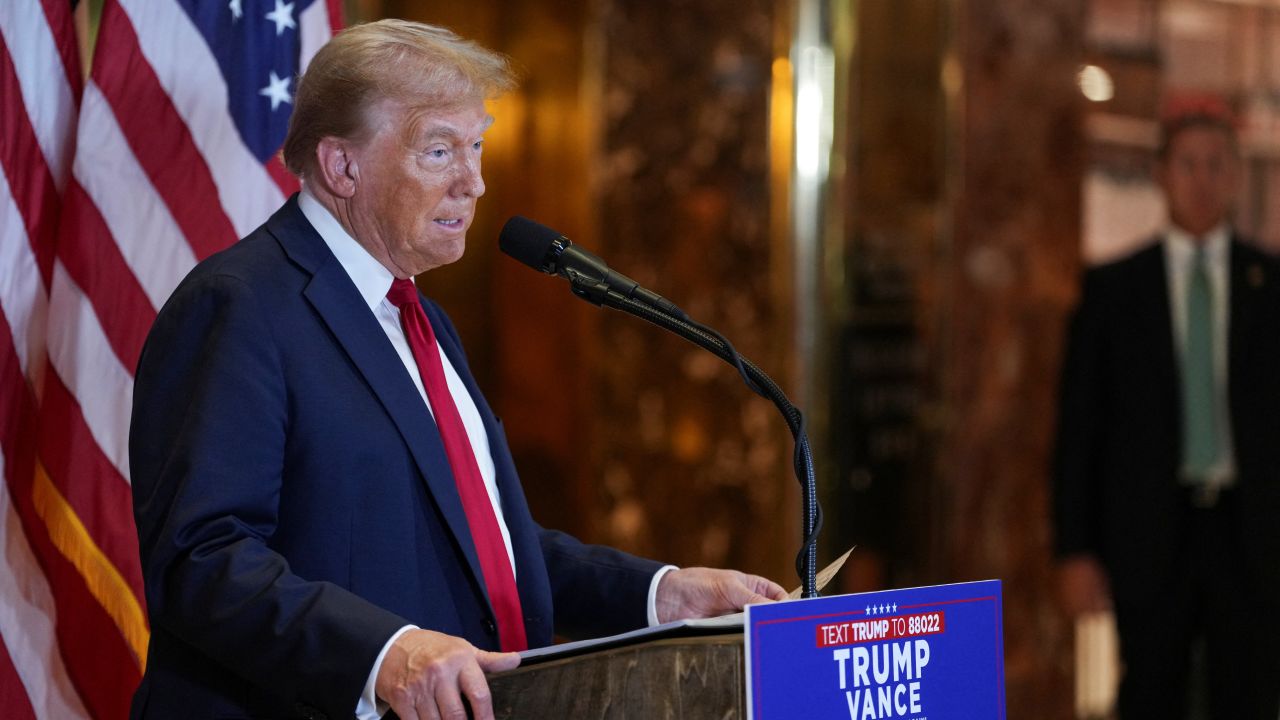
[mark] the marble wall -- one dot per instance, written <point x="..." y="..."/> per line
<point x="695" y="468"/>
<point x="958" y="265"/>
<point x="1012" y="277"/>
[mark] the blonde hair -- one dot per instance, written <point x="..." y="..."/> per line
<point x="420" y="65"/>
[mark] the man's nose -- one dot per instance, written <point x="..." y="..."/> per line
<point x="469" y="181"/>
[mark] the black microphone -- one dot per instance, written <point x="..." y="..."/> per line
<point x="545" y="249"/>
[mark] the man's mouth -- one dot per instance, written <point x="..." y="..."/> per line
<point x="449" y="222"/>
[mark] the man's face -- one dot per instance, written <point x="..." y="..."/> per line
<point x="417" y="182"/>
<point x="1200" y="177"/>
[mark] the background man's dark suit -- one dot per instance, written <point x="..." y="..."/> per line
<point x="294" y="503"/>
<point x="1118" y="495"/>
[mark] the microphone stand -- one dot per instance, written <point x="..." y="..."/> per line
<point x="674" y="320"/>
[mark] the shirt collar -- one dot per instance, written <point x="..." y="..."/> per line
<point x="1182" y="245"/>
<point x="372" y="278"/>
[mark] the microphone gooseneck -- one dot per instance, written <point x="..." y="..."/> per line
<point x="590" y="278"/>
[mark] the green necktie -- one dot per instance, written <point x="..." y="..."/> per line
<point x="1199" y="419"/>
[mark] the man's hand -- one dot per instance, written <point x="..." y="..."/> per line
<point x="1082" y="585"/>
<point x="426" y="674"/>
<point x="700" y="592"/>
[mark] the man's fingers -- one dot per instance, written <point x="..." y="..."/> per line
<point x="754" y="589"/>
<point x="770" y="589"/>
<point x="405" y="711"/>
<point x="449" y="703"/>
<point x="476" y="688"/>
<point x="497" y="662"/>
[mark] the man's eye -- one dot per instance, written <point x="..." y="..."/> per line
<point x="437" y="153"/>
<point x="477" y="145"/>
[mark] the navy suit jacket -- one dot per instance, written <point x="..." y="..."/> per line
<point x="294" y="503"/>
<point x="1117" y="492"/>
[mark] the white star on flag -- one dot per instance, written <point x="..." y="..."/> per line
<point x="277" y="89"/>
<point x="236" y="11"/>
<point x="282" y="16"/>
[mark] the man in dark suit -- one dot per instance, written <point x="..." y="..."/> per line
<point x="1167" y="470"/>
<point x="329" y="516"/>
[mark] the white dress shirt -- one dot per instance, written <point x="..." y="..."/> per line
<point x="373" y="280"/>
<point x="1179" y="249"/>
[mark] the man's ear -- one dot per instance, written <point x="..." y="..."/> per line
<point x="337" y="169"/>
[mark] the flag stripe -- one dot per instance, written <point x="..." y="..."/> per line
<point x="13" y="694"/>
<point x="58" y="15"/>
<point x="26" y="623"/>
<point x="80" y="354"/>
<point x="91" y="257"/>
<point x="22" y="294"/>
<point x="31" y="185"/>
<point x="27" y="604"/>
<point x="280" y="175"/>
<point x="190" y="76"/>
<point x="89" y="482"/>
<point x="104" y="581"/>
<point x="102" y="668"/>
<point x="40" y="73"/>
<point x="315" y="27"/>
<point x="140" y="222"/>
<point x="171" y="161"/>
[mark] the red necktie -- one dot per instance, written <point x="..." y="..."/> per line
<point x="495" y="564"/>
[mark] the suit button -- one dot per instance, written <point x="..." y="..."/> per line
<point x="490" y="628"/>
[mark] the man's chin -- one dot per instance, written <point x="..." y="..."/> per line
<point x="442" y="253"/>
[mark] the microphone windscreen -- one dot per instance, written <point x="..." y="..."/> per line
<point x="527" y="241"/>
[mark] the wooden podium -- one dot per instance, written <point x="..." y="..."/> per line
<point x="690" y="678"/>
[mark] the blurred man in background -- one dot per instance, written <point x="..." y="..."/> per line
<point x="1167" y="467"/>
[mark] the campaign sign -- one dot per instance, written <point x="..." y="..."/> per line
<point x="931" y="653"/>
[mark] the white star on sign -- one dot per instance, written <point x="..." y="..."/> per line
<point x="868" y="609"/>
<point x="895" y="607"/>
<point x="282" y="16"/>
<point x="277" y="89"/>
<point x="236" y="10"/>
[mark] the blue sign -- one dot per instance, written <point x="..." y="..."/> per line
<point x="932" y="653"/>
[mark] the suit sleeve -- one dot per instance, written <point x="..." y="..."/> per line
<point x="596" y="590"/>
<point x="1081" y="426"/>
<point x="207" y="444"/>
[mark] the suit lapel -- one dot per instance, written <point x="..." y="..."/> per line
<point x="1151" y="290"/>
<point x="1248" y="277"/>
<point x="339" y="304"/>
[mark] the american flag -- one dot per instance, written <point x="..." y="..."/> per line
<point x="112" y="188"/>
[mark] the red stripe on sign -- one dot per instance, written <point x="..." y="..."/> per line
<point x="25" y="167"/>
<point x="853" y="632"/>
<point x="94" y="489"/>
<point x="158" y="136"/>
<point x="94" y="261"/>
